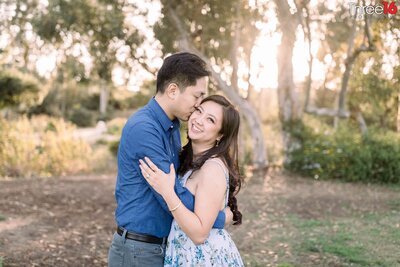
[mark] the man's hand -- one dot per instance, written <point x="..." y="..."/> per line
<point x="228" y="216"/>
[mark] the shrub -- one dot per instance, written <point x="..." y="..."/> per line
<point x="82" y="117"/>
<point x="91" y="102"/>
<point x="346" y="154"/>
<point x="41" y="146"/>
<point x="115" y="126"/>
<point x="18" y="89"/>
<point x="113" y="146"/>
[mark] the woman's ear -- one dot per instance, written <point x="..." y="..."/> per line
<point x="172" y="90"/>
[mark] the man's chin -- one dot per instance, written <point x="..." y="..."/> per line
<point x="184" y="118"/>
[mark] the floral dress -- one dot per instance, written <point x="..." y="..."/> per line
<point x="218" y="250"/>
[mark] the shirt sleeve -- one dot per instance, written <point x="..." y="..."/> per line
<point x="147" y="141"/>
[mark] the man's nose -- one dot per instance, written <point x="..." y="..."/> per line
<point x="198" y="101"/>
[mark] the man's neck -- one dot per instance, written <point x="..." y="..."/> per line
<point x="164" y="104"/>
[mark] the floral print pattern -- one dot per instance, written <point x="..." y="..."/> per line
<point x="218" y="249"/>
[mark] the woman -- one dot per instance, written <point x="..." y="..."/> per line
<point x="209" y="170"/>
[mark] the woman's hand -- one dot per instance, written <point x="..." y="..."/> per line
<point x="161" y="182"/>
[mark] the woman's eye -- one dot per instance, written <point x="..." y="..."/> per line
<point x="211" y="120"/>
<point x="197" y="110"/>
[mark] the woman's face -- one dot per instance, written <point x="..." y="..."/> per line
<point x="205" y="123"/>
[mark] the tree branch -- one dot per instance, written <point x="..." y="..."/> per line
<point x="327" y="112"/>
<point x="260" y="157"/>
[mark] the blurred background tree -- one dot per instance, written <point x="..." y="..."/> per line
<point x="225" y="46"/>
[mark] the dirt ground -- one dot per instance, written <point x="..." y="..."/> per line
<point x="69" y="221"/>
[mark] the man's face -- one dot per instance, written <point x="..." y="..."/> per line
<point x="188" y="100"/>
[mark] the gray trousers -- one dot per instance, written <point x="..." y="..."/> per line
<point x="130" y="253"/>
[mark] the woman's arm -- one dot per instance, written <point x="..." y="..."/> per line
<point x="209" y="194"/>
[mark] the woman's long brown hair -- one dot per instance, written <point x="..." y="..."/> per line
<point x="227" y="150"/>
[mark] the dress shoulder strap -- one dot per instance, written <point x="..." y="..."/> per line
<point x="226" y="177"/>
<point x="220" y="164"/>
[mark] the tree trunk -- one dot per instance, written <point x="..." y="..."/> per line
<point x="307" y="32"/>
<point x="351" y="57"/>
<point x="234" y="50"/>
<point x="104" y="95"/>
<point x="259" y="159"/>
<point x="289" y="107"/>
<point x="287" y="96"/>
<point x="361" y="123"/>
<point x="348" y="67"/>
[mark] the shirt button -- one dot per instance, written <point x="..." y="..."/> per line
<point x="172" y="126"/>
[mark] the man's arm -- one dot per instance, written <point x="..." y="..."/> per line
<point x="144" y="137"/>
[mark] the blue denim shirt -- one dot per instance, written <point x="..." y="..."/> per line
<point x="149" y="132"/>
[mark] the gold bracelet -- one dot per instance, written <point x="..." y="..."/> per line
<point x="177" y="206"/>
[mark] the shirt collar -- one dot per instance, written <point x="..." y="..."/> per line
<point x="161" y="116"/>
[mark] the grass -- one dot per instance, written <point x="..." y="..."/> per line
<point x="2" y="217"/>
<point x="357" y="237"/>
<point x="1" y="261"/>
<point x="285" y="265"/>
<point x="370" y="240"/>
<point x="339" y="245"/>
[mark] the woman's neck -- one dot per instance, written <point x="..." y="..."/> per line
<point x="199" y="148"/>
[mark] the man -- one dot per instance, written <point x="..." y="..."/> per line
<point x="142" y="216"/>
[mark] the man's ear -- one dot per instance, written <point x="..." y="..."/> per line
<point x="172" y="90"/>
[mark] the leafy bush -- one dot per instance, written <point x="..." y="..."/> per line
<point x="346" y="155"/>
<point x="82" y="117"/>
<point x="18" y="89"/>
<point x="113" y="147"/>
<point x="115" y="126"/>
<point x="121" y="100"/>
<point x="91" y="102"/>
<point x="41" y="146"/>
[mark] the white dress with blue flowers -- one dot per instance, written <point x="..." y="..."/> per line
<point x="218" y="250"/>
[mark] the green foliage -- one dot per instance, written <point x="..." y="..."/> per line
<point x="17" y="89"/>
<point x="346" y="155"/>
<point x="113" y="147"/>
<point x="91" y="102"/>
<point x="325" y="98"/>
<point x="214" y="41"/>
<point x="100" y="27"/>
<point x="374" y="94"/>
<point x="82" y="117"/>
<point x="115" y="126"/>
<point x="129" y="100"/>
<point x="2" y="217"/>
<point x="41" y="146"/>
<point x="62" y="16"/>
<point x="355" y="239"/>
<point x="285" y="265"/>
<point x="64" y="99"/>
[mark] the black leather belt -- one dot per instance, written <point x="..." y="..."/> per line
<point x="141" y="237"/>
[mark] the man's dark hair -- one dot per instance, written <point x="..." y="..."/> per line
<point x="181" y="68"/>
